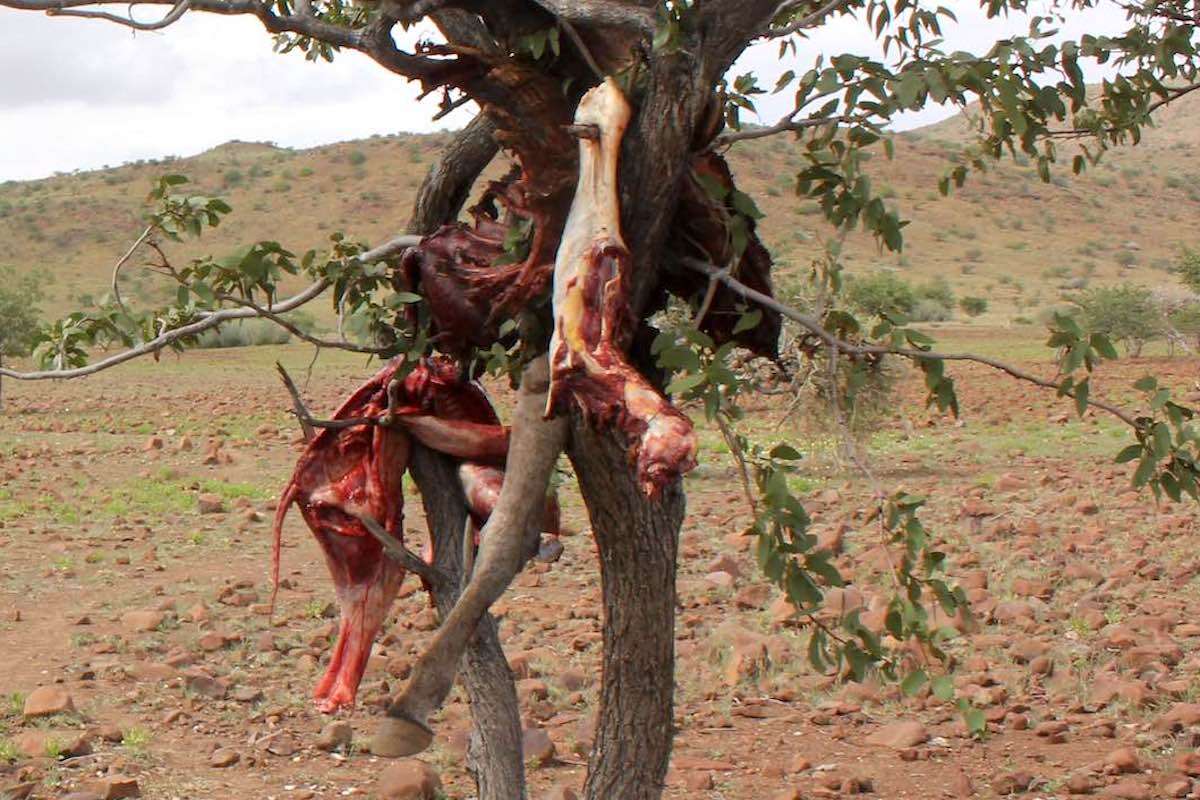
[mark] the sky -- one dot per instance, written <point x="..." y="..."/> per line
<point x="83" y="94"/>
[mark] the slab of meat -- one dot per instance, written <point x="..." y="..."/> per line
<point x="357" y="471"/>
<point x="592" y="320"/>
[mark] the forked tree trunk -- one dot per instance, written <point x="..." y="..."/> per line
<point x="494" y="754"/>
<point x="638" y="541"/>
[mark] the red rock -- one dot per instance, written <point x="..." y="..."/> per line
<point x="115" y="787"/>
<point x="1181" y="715"/>
<point x="408" y="779"/>
<point x="224" y="757"/>
<point x="1123" y="759"/>
<point x="536" y="745"/>
<point x="209" y="503"/>
<point x="1129" y="790"/>
<point x="899" y="735"/>
<point x="335" y="735"/>
<point x="47" y="700"/>
<point x="142" y="621"/>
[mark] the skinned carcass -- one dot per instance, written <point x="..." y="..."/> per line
<point x="353" y="472"/>
<point x="592" y="320"/>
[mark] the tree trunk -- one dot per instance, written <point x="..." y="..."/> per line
<point x="494" y="755"/>
<point x="638" y="541"/>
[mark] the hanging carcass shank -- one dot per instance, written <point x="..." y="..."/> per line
<point x="592" y="319"/>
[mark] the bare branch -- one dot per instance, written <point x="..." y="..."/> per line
<point x="116" y="274"/>
<point x="301" y="410"/>
<point x="399" y="553"/>
<point x="788" y="123"/>
<point x="298" y="332"/>
<point x="809" y="20"/>
<point x="178" y="10"/>
<point x="813" y="326"/>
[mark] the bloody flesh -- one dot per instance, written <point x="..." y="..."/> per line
<point x="357" y="472"/>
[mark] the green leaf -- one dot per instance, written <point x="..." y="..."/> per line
<point x="1081" y="397"/>
<point x="942" y="687"/>
<point x="1129" y="453"/>
<point x="785" y="452"/>
<point x="1146" y="384"/>
<point x="913" y="682"/>
<point x="685" y="383"/>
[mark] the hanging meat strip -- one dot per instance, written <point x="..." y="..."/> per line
<point x="592" y="320"/>
<point x="355" y="472"/>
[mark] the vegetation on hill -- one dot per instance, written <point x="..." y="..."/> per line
<point x="1006" y="237"/>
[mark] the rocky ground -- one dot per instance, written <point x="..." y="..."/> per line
<point x="138" y="657"/>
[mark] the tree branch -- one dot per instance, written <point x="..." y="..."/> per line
<point x="813" y="326"/>
<point x="807" y="21"/>
<point x="209" y="319"/>
<point x="535" y="445"/>
<point x="788" y="123"/>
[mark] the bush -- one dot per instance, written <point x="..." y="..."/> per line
<point x="973" y="306"/>
<point x="357" y="158"/>
<point x="881" y="294"/>
<point x="930" y="311"/>
<point x="1189" y="269"/>
<point x="1125" y="313"/>
<point x="885" y="293"/>
<point x="244" y="333"/>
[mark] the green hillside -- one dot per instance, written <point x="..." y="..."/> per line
<point x="1006" y="235"/>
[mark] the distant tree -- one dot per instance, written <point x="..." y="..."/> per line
<point x="973" y="306"/>
<point x="1189" y="269"/>
<point x="1125" y="313"/>
<point x="883" y="294"/>
<point x="19" y="316"/>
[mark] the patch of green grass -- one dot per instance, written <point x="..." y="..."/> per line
<point x="234" y="491"/>
<point x="151" y="497"/>
<point x="137" y="739"/>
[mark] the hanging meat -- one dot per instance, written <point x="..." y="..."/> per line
<point x="354" y="472"/>
<point x="592" y="319"/>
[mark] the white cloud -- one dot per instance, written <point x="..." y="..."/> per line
<point x="78" y="94"/>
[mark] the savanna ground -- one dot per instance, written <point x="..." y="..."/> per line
<point x="153" y="616"/>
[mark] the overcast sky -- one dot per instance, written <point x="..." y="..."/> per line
<point x="80" y="94"/>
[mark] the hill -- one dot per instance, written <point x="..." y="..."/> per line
<point x="1005" y="236"/>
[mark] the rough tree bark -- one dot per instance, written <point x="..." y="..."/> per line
<point x="637" y="540"/>
<point x="494" y="754"/>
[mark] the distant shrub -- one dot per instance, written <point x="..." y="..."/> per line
<point x="1189" y="269"/>
<point x="973" y="306"/>
<point x="233" y="177"/>
<point x="1125" y="313"/>
<point x="244" y="333"/>
<point x="885" y="293"/>
<point x="1126" y="258"/>
<point x="357" y="158"/>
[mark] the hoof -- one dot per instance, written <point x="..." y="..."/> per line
<point x="398" y="737"/>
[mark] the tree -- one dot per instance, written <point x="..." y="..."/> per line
<point x="973" y="306"/>
<point x="478" y="290"/>
<point x="1189" y="269"/>
<point x="19" y="316"/>
<point x="1124" y="313"/>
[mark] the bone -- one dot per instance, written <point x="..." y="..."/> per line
<point x="591" y="309"/>
<point x="535" y="445"/>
